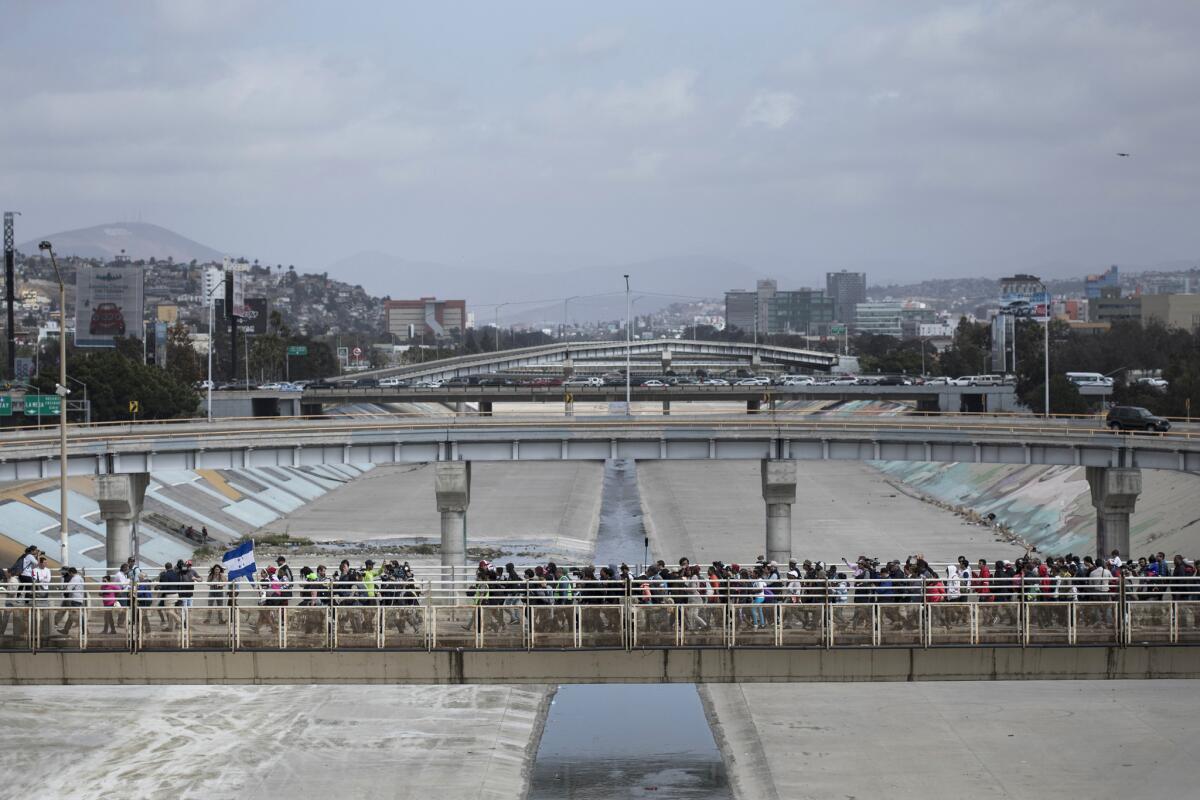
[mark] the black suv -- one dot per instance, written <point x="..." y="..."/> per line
<point x="1135" y="418"/>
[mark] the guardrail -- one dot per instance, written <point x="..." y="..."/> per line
<point x="531" y="615"/>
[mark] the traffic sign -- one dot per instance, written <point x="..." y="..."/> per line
<point x="569" y="398"/>
<point x="135" y="407"/>
<point x="357" y="352"/>
<point x="42" y="405"/>
<point x="297" y="350"/>
<point x="837" y="330"/>
<point x="6" y="406"/>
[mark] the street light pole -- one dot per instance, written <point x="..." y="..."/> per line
<point x="562" y="333"/>
<point x="62" y="391"/>
<point x="628" y="349"/>
<point x="212" y="341"/>
<point x="1045" y="353"/>
<point x="497" y="323"/>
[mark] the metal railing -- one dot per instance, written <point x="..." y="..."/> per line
<point x="636" y="614"/>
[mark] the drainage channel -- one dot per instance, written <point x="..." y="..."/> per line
<point x="627" y="740"/>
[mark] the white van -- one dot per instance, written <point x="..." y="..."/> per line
<point x="1089" y="379"/>
<point x="980" y="380"/>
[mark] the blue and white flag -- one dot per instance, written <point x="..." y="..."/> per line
<point x="239" y="562"/>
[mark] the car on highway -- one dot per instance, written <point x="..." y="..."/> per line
<point x="939" y="380"/>
<point x="866" y="380"/>
<point x="894" y="380"/>
<point x="844" y="380"/>
<point x="547" y="380"/>
<point x="752" y="382"/>
<point x="1153" y="383"/>
<point x="654" y="383"/>
<point x="584" y="382"/>
<point x="366" y="383"/>
<point x="714" y="382"/>
<point x="496" y="380"/>
<point x="321" y="384"/>
<point x="281" y="386"/>
<point x="979" y="380"/>
<point x="798" y="380"/>
<point x="1135" y="418"/>
<point x="1089" y="379"/>
<point x="392" y="382"/>
<point x="427" y="383"/>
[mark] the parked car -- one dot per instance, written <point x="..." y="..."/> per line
<point x="1154" y="383"/>
<point x="1135" y="418"/>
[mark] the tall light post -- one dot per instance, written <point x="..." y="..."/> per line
<point x="62" y="391"/>
<point x="212" y="341"/>
<point x="562" y="333"/>
<point x="628" y="349"/>
<point x="497" y="323"/>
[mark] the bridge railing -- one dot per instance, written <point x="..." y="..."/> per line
<point x="639" y="613"/>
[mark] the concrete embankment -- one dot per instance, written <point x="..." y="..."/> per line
<point x="1050" y="507"/>
<point x="270" y="742"/>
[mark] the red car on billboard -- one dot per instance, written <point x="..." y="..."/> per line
<point x="107" y="320"/>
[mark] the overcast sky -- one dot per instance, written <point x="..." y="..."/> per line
<point x="911" y="139"/>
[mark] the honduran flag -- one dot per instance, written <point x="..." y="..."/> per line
<point x="239" y="562"/>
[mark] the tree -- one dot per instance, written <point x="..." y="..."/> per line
<point x="114" y="380"/>
<point x="184" y="364"/>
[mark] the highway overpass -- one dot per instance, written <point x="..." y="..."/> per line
<point x="122" y="455"/>
<point x="313" y="402"/>
<point x="653" y="354"/>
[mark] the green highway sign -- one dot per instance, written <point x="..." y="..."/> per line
<point x="837" y="330"/>
<point x="6" y="406"/>
<point x="42" y="405"/>
<point x="297" y="350"/>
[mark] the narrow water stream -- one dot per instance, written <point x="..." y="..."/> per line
<point x="627" y="740"/>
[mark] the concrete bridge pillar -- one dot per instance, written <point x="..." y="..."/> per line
<point x="452" y="487"/>
<point x="779" y="492"/>
<point x="666" y="361"/>
<point x="120" y="498"/>
<point x="666" y="408"/>
<point x="485" y="408"/>
<point x="752" y="406"/>
<point x="1115" y="492"/>
<point x="568" y="368"/>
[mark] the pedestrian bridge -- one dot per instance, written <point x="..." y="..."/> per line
<point x="437" y="635"/>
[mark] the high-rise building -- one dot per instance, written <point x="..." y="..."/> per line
<point x="741" y="309"/>
<point x="846" y="290"/>
<point x="428" y="316"/>
<point x="1172" y="310"/>
<point x="776" y="311"/>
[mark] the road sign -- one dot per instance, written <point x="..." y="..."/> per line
<point x="135" y="407"/>
<point x="569" y="398"/>
<point x="357" y="352"/>
<point x="297" y="350"/>
<point x="343" y="353"/>
<point x="24" y="368"/>
<point x="837" y="330"/>
<point x="6" y="406"/>
<point x="42" y="405"/>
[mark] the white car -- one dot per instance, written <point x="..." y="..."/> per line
<point x="427" y="384"/>
<point x="940" y="380"/>
<point x="714" y="382"/>
<point x="844" y="380"/>
<point x="391" y="383"/>
<point x="654" y="384"/>
<point x="799" y="381"/>
<point x="1154" y="383"/>
<point x="584" y="382"/>
<point x="753" y="382"/>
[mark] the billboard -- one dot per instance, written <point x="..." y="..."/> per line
<point x="108" y="304"/>
<point x="254" y="315"/>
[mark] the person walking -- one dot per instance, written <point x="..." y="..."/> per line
<point x="73" y="599"/>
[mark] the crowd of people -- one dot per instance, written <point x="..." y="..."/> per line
<point x="31" y="581"/>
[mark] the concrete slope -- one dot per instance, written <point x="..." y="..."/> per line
<point x="555" y="506"/>
<point x="360" y="742"/>
<point x="1051" y="508"/>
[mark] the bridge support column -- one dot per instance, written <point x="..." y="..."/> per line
<point x="1115" y="492"/>
<point x="485" y="408"/>
<point x="752" y="406"/>
<point x="779" y="492"/>
<point x="452" y="487"/>
<point x="666" y="408"/>
<point x="666" y="362"/>
<point x="120" y="498"/>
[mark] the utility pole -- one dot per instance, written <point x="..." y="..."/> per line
<point x="9" y="297"/>
<point x="62" y="391"/>
<point x="628" y="349"/>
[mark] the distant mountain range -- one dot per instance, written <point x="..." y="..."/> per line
<point x="138" y="240"/>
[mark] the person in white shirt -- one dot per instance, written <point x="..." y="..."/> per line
<point x="41" y="581"/>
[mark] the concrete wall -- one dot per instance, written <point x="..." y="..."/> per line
<point x="602" y="666"/>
